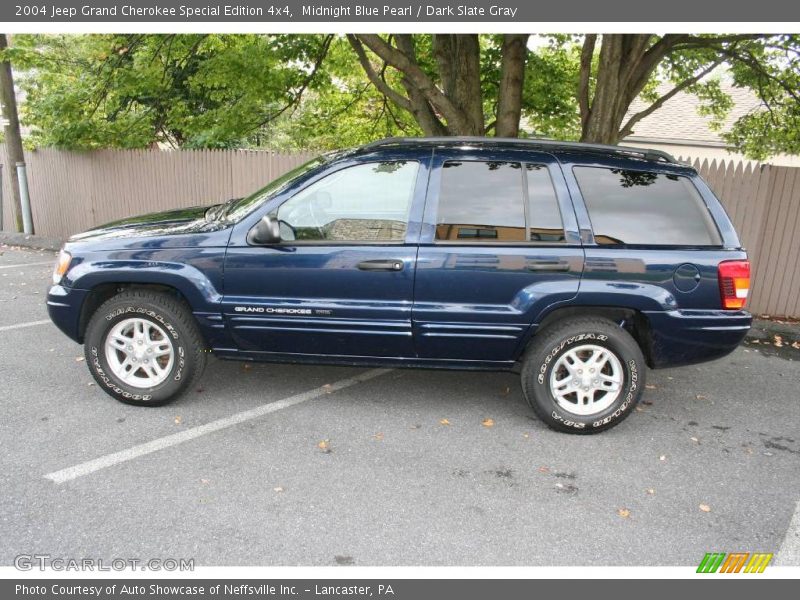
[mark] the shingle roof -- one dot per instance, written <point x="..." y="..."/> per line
<point x="679" y="119"/>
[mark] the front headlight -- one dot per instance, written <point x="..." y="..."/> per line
<point x="62" y="266"/>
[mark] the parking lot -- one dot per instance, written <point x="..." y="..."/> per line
<point x="341" y="466"/>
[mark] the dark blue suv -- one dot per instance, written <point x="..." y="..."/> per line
<point x="578" y="264"/>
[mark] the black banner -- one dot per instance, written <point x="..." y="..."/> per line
<point x="401" y="11"/>
<point x="397" y="589"/>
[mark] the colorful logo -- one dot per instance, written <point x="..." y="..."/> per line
<point x="735" y="562"/>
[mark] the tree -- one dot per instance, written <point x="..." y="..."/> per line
<point x="13" y="138"/>
<point x="446" y="95"/>
<point x="612" y="77"/>
<point x="193" y="90"/>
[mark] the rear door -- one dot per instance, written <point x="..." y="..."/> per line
<point x="499" y="245"/>
<point x="340" y="282"/>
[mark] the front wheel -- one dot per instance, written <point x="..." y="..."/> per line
<point x="583" y="375"/>
<point x="144" y="348"/>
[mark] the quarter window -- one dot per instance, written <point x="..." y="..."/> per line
<point x="364" y="203"/>
<point x="645" y="208"/>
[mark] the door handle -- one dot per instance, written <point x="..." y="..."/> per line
<point x="548" y="266"/>
<point x="381" y="265"/>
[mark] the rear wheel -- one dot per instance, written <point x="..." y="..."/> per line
<point x="144" y="347"/>
<point x="583" y="375"/>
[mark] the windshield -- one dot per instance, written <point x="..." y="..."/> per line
<point x="238" y="209"/>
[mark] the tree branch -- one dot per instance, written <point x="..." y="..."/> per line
<point x="417" y="77"/>
<point x="627" y="129"/>
<point x="380" y="83"/>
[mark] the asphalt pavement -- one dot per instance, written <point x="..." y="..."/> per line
<point x="311" y="465"/>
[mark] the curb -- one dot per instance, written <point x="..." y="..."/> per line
<point x="30" y="241"/>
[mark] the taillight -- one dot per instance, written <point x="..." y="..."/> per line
<point x="734" y="283"/>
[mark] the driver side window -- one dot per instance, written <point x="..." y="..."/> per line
<point x="364" y="203"/>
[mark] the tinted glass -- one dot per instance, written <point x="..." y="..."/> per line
<point x="481" y="201"/>
<point x="365" y="203"/>
<point x="543" y="213"/>
<point x="636" y="207"/>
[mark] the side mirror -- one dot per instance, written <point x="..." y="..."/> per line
<point x="266" y="232"/>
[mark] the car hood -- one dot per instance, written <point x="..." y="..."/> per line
<point x="171" y="222"/>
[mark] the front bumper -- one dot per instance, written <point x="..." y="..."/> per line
<point x="64" y="307"/>
<point x="684" y="337"/>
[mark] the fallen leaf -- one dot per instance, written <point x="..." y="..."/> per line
<point x="705" y="508"/>
<point x="796" y="345"/>
<point x="650" y="386"/>
<point x="327" y="388"/>
<point x="748" y="450"/>
<point x="177" y="420"/>
<point x="650" y="492"/>
<point x="415" y="426"/>
<point x="204" y="481"/>
<point x="525" y="435"/>
<point x="278" y="489"/>
<point x="91" y="383"/>
<point x="378" y="436"/>
<point x="246" y="366"/>
<point x="624" y="513"/>
<point x="694" y="439"/>
<point x="701" y="397"/>
<point x="79" y="359"/>
<point x="324" y="446"/>
<point x="444" y="422"/>
<point x="544" y="469"/>
<point x="487" y="422"/>
<point x="507" y="392"/>
<point x="639" y="409"/>
<point x="662" y="458"/>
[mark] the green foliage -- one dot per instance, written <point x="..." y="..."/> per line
<point x="549" y="102"/>
<point x="771" y="68"/>
<point x="131" y="91"/>
<point x="309" y="91"/>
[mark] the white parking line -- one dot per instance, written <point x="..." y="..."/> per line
<point x="23" y="325"/>
<point x="115" y="458"/>
<point x="36" y="264"/>
<point x="789" y="552"/>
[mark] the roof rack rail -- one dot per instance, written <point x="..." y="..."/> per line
<point x="646" y="153"/>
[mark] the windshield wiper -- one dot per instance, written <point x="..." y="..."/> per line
<point x="216" y="212"/>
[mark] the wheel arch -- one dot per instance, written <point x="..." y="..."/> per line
<point x="632" y="320"/>
<point x="103" y="292"/>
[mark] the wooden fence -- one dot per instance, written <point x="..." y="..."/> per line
<point x="763" y="202"/>
<point x="72" y="191"/>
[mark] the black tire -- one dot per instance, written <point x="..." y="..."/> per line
<point x="556" y="340"/>
<point x="171" y="316"/>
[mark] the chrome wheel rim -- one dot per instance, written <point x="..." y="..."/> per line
<point x="586" y="380"/>
<point x="139" y="353"/>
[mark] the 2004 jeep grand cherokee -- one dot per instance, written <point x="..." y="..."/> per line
<point x="579" y="264"/>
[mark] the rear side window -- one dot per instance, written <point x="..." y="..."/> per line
<point x="497" y="202"/>
<point x="645" y="208"/>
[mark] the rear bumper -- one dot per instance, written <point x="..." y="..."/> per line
<point x="64" y="307"/>
<point x="684" y="337"/>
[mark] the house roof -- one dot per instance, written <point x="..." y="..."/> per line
<point x="678" y="120"/>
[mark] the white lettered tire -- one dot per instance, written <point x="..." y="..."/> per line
<point x="144" y="347"/>
<point x="583" y="375"/>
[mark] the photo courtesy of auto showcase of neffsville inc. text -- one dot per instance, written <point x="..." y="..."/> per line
<point x="400" y="300"/>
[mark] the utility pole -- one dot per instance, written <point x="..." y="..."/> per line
<point x="13" y="138"/>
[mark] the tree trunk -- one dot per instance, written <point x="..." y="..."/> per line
<point x="459" y="60"/>
<point x="512" y="78"/>
<point x="13" y="138"/>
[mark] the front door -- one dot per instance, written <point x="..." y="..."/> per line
<point x="340" y="282"/>
<point x="500" y="244"/>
